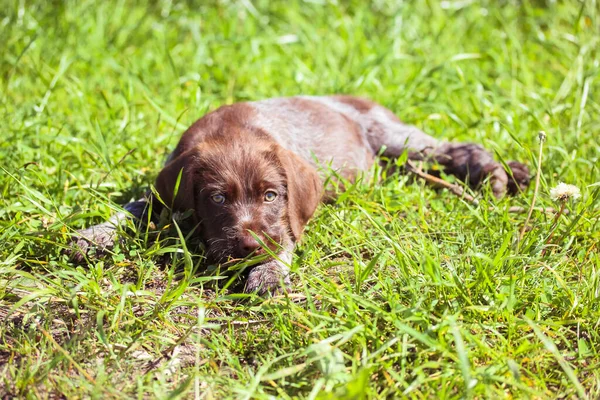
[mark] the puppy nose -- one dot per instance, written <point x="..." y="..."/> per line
<point x="248" y="244"/>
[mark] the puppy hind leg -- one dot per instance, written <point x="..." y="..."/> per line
<point x="396" y="137"/>
<point x="469" y="162"/>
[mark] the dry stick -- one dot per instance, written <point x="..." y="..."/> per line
<point x="542" y="136"/>
<point x="522" y="210"/>
<point x="457" y="190"/>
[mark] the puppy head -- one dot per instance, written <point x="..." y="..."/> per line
<point x="238" y="188"/>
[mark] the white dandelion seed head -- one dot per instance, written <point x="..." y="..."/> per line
<point x="564" y="191"/>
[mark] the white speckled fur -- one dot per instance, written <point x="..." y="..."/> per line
<point x="288" y="124"/>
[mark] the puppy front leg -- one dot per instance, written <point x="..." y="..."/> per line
<point x="273" y="276"/>
<point x="102" y="237"/>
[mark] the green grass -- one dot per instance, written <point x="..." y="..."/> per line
<point x="399" y="290"/>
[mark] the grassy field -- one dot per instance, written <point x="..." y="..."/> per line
<point x="399" y="290"/>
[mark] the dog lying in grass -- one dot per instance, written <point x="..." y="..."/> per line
<point x="251" y="174"/>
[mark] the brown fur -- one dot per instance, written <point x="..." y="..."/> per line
<point x="245" y="152"/>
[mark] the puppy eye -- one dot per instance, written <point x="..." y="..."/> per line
<point x="218" y="198"/>
<point x="270" y="196"/>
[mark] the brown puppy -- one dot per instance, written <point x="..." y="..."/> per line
<point x="254" y="170"/>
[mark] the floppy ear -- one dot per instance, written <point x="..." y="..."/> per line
<point x="166" y="182"/>
<point x="304" y="190"/>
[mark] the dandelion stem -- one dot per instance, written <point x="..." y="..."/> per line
<point x="554" y="225"/>
<point x="542" y="136"/>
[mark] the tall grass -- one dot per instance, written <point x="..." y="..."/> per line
<point x="399" y="290"/>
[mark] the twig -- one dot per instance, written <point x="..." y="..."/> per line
<point x="435" y="181"/>
<point x="542" y="136"/>
<point x="522" y="210"/>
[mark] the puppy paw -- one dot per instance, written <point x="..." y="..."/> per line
<point x="95" y="240"/>
<point x="269" y="278"/>
<point x="497" y="177"/>
<point x="474" y="164"/>
<point x="518" y="177"/>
